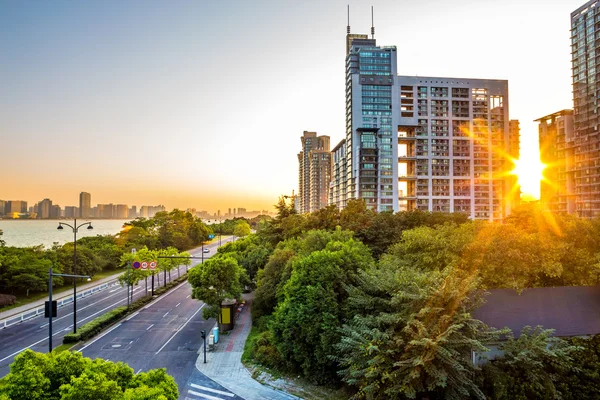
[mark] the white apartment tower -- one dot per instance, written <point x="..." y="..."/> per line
<point x="453" y="146"/>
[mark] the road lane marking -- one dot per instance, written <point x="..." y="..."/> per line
<point x="177" y="305"/>
<point x="17" y="352"/>
<point x="167" y="313"/>
<point x="188" y="296"/>
<point x="80" y="309"/>
<point x="207" y="389"/>
<point x="132" y="315"/>
<point x="180" y="328"/>
<point x="163" y="296"/>
<point x="204" y="396"/>
<point x="99" y="337"/>
<point x="139" y="370"/>
<point x="148" y="328"/>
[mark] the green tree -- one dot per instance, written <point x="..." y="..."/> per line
<point x="305" y="324"/>
<point x="412" y="335"/>
<point x="530" y="367"/>
<point x="356" y="216"/>
<point x="242" y="229"/>
<point x="217" y="279"/>
<point x="69" y="375"/>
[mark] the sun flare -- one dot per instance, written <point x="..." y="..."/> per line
<point x="530" y="173"/>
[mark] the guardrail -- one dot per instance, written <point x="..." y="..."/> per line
<point x="37" y="311"/>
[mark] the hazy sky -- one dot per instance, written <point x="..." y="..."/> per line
<point x="202" y="103"/>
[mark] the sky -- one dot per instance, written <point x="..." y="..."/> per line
<point x="202" y="103"/>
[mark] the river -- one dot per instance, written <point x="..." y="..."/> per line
<point x="31" y="232"/>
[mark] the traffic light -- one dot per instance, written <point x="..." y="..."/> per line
<point x="203" y="334"/>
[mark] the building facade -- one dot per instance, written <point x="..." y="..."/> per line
<point x="372" y="112"/>
<point x="314" y="170"/>
<point x="556" y="138"/>
<point x="15" y="206"/>
<point x="453" y="144"/>
<point x="586" y="109"/>
<point x="85" y="205"/>
<point x="337" y="185"/>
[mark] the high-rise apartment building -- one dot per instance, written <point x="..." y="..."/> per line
<point x="372" y="112"/>
<point x="71" y="212"/>
<point x="85" y="205"/>
<point x="2" y="207"/>
<point x="133" y="212"/>
<point x="44" y="209"/>
<point x="15" y="206"/>
<point x="121" y="211"/>
<point x="556" y="135"/>
<point x="585" y="60"/>
<point x="453" y="141"/>
<point x="314" y="170"/>
<point x="337" y="184"/>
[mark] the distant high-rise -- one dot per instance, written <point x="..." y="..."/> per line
<point x="71" y="212"/>
<point x="314" y="172"/>
<point x="16" y="206"/>
<point x="2" y="207"/>
<point x="557" y="191"/>
<point x="44" y="209"/>
<point x="585" y="62"/>
<point x="85" y="205"/>
<point x="55" y="211"/>
<point x="133" y="212"/>
<point x="121" y="211"/>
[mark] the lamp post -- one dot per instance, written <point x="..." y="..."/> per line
<point x="75" y="229"/>
<point x="50" y="275"/>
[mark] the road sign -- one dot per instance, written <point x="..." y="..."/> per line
<point x="152" y="264"/>
<point x="47" y="309"/>
<point x="133" y="251"/>
<point x="144" y="265"/>
<point x="211" y="236"/>
<point x="136" y="265"/>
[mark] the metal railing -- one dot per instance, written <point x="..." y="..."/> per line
<point x="39" y="310"/>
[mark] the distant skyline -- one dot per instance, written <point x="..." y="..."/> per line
<point x="202" y="104"/>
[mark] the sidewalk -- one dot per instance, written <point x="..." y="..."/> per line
<point x="224" y="364"/>
<point x="56" y="296"/>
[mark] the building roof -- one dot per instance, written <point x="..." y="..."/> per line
<point x="569" y="310"/>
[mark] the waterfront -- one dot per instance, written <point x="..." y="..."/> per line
<point x="25" y="233"/>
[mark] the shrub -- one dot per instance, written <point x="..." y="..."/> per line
<point x="7" y="299"/>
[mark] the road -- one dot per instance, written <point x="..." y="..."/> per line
<point x="33" y="334"/>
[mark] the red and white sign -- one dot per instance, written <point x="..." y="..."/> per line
<point x="144" y="265"/>
<point x="152" y="264"/>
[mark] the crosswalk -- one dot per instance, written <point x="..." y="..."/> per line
<point x="198" y="392"/>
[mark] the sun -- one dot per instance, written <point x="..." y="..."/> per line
<point x="530" y="173"/>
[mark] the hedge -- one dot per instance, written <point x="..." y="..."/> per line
<point x="7" y="299"/>
<point x="97" y="325"/>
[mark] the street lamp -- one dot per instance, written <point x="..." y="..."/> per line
<point x="50" y="275"/>
<point x="75" y="229"/>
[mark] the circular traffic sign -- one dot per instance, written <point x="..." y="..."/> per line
<point x="136" y="265"/>
<point x="153" y="265"/>
<point x="144" y="265"/>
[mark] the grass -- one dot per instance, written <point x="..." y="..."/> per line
<point x="63" y="347"/>
<point x="58" y="291"/>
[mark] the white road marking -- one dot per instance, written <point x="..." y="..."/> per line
<point x="204" y="396"/>
<point x="99" y="337"/>
<point x="162" y="297"/>
<point x="188" y="296"/>
<point x="180" y="328"/>
<point x="139" y="370"/>
<point x="17" y="352"/>
<point x="148" y="328"/>
<point x="177" y="304"/>
<point x="132" y="315"/>
<point x="167" y="313"/>
<point x="81" y="308"/>
<point x="207" y="389"/>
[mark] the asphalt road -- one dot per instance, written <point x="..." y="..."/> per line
<point x="33" y="333"/>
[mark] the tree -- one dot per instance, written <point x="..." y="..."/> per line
<point x="2" y="242"/>
<point x="305" y="324"/>
<point x="242" y="229"/>
<point x="217" y="279"/>
<point x="530" y="367"/>
<point x="70" y="376"/>
<point x="412" y="335"/>
<point x="356" y="216"/>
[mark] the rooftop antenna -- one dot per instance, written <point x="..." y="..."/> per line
<point x="348" y="26"/>
<point x="372" y="25"/>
